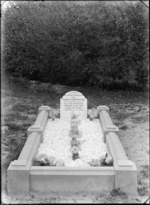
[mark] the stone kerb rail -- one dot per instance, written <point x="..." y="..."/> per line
<point x="18" y="170"/>
<point x="106" y="122"/>
<point x="71" y="179"/>
<point x="41" y="121"/>
<point x="125" y="170"/>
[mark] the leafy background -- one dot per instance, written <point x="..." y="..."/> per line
<point x="98" y="44"/>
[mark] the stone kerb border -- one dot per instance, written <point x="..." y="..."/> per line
<point x="106" y="122"/>
<point x="41" y="121"/>
<point x="70" y="179"/>
<point x="22" y="177"/>
<point x="18" y="170"/>
<point x="125" y="170"/>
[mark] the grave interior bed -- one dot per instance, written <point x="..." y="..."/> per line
<point x="56" y="143"/>
<point x="23" y="176"/>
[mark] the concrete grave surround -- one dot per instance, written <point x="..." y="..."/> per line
<point x="73" y="101"/>
<point x="23" y="177"/>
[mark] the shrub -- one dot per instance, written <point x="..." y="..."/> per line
<point x="97" y="44"/>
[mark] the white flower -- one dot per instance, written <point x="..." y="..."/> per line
<point x="90" y="113"/>
<point x="108" y="160"/>
<point x="43" y="160"/>
<point x="53" y="114"/>
<point x="95" y="112"/>
<point x="41" y="157"/>
<point x="102" y="158"/>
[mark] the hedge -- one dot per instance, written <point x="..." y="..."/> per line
<point x="97" y="44"/>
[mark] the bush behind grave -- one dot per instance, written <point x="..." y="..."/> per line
<point x="97" y="44"/>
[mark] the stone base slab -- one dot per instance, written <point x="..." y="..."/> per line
<point x="72" y="180"/>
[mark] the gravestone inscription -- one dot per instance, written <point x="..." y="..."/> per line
<point x="73" y="102"/>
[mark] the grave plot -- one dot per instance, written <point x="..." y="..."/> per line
<point x="57" y="143"/>
<point x="72" y="153"/>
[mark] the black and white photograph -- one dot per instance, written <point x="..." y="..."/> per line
<point x="75" y="102"/>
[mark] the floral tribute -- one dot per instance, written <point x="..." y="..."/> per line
<point x="75" y="133"/>
<point x="45" y="160"/>
<point x="52" y="114"/>
<point x="93" y="113"/>
<point x="105" y="160"/>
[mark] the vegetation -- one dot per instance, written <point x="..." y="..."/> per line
<point x="100" y="44"/>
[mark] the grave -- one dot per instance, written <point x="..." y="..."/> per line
<point x="23" y="176"/>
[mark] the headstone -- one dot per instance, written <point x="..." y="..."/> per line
<point x="73" y="102"/>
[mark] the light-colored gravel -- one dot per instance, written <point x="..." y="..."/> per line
<point x="56" y="142"/>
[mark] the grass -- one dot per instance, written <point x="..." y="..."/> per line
<point x="143" y="174"/>
<point x="145" y="170"/>
<point x="21" y="100"/>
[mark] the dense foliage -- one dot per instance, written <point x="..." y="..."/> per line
<point x="97" y="44"/>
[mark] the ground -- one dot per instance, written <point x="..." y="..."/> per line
<point x="129" y="111"/>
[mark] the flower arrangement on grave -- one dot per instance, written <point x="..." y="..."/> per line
<point x="75" y="142"/>
<point x="105" y="160"/>
<point x="75" y="119"/>
<point x="74" y="134"/>
<point x="93" y="113"/>
<point x="52" y="161"/>
<point x="94" y="162"/>
<point x="44" y="160"/>
<point x="52" y="114"/>
<point x="75" y="152"/>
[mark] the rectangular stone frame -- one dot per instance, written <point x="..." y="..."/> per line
<point x="22" y="177"/>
